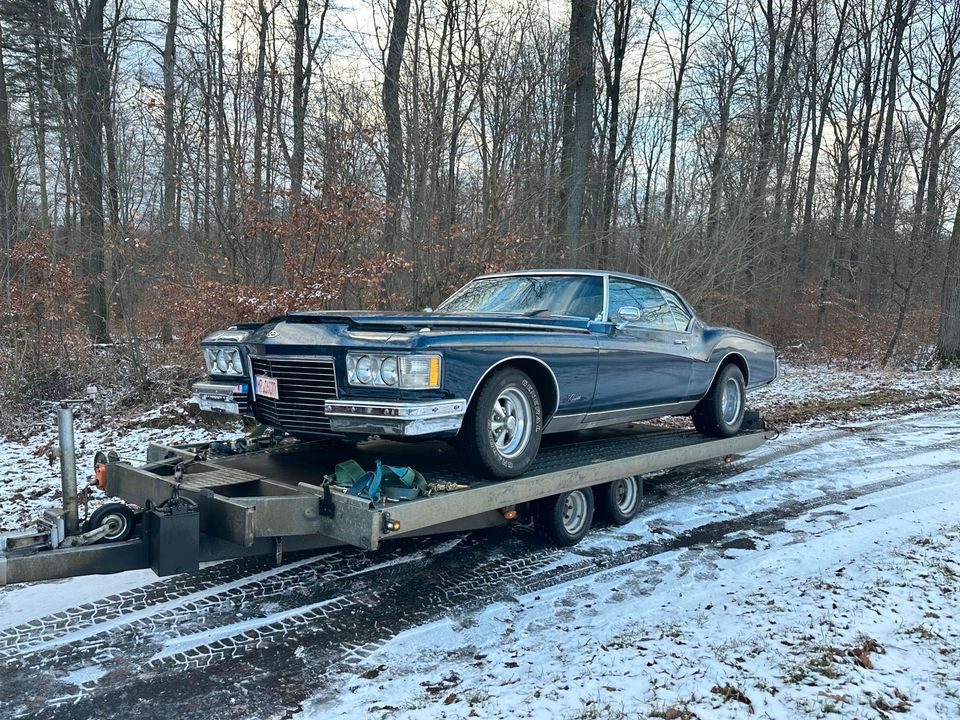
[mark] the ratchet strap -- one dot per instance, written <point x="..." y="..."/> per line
<point x="395" y="483"/>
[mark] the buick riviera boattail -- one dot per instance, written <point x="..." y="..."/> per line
<point x="505" y="359"/>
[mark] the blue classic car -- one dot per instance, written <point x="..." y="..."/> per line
<point x="505" y="359"/>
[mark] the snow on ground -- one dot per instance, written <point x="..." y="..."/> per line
<point x="30" y="471"/>
<point x="819" y="393"/>
<point x="804" y="394"/>
<point x="850" y="609"/>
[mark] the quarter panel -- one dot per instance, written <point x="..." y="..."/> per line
<point x="713" y="344"/>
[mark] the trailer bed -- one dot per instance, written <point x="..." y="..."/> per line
<point x="279" y="498"/>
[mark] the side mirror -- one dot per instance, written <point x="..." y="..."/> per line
<point x="428" y="309"/>
<point x="626" y="315"/>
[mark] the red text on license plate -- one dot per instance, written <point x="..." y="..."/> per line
<point x="267" y="386"/>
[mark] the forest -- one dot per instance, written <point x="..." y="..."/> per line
<point x="170" y="167"/>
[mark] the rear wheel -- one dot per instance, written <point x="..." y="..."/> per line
<point x="619" y="501"/>
<point x="564" y="519"/>
<point x="720" y="413"/>
<point x="501" y="433"/>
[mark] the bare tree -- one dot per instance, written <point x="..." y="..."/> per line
<point x="391" y="113"/>
<point x="577" y="124"/>
<point x="8" y="173"/>
<point x="92" y="93"/>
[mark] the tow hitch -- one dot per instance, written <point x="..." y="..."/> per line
<point x="60" y="527"/>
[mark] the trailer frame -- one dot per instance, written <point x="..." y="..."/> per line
<point x="280" y="498"/>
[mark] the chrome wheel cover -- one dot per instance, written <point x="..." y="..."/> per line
<point x="574" y="513"/>
<point x="625" y="494"/>
<point x="730" y="401"/>
<point x="511" y="422"/>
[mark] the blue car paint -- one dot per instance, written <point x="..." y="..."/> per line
<point x="598" y="367"/>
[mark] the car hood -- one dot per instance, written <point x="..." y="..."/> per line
<point x="303" y="332"/>
<point x="376" y="320"/>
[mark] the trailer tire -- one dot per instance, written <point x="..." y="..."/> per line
<point x="619" y="501"/>
<point x="115" y="512"/>
<point x="509" y="396"/>
<point x="564" y="519"/>
<point x="720" y="412"/>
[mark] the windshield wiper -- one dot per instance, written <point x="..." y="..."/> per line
<point x="537" y="312"/>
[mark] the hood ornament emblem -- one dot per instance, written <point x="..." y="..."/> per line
<point x="273" y="333"/>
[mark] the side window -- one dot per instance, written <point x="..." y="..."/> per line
<point x="654" y="310"/>
<point x="681" y="315"/>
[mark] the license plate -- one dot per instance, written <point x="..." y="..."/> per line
<point x="267" y="387"/>
<point x="209" y="404"/>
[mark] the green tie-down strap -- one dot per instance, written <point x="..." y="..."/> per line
<point x="397" y="483"/>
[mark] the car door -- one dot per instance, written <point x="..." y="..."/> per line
<point x="645" y="360"/>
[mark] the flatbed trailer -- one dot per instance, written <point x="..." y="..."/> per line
<point x="194" y="505"/>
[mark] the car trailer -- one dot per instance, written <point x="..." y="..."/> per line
<point x="196" y="503"/>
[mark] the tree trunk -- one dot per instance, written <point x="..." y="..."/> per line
<point x="391" y="113"/>
<point x="577" y="124"/>
<point x="299" y="101"/>
<point x="8" y="174"/>
<point x="680" y="69"/>
<point x="92" y="93"/>
<point x="259" y="102"/>
<point x="948" y="340"/>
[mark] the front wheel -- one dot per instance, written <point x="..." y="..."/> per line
<point x="118" y="516"/>
<point x="501" y="433"/>
<point x="720" y="413"/>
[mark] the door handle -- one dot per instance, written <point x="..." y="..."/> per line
<point x="678" y="341"/>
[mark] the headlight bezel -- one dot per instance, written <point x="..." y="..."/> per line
<point x="429" y="377"/>
<point x="233" y="357"/>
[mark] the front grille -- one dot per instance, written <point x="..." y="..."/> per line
<point x="303" y="385"/>
<point x="242" y="401"/>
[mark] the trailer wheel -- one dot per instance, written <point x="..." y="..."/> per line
<point x="619" y="501"/>
<point x="119" y="515"/>
<point x="564" y="519"/>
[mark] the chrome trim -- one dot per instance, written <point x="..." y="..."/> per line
<point x="622" y="415"/>
<point x="374" y="417"/>
<point x="214" y="371"/>
<point x="746" y="380"/>
<point x="556" y="385"/>
<point x="253" y="384"/>
<point x="220" y="390"/>
<point x="382" y="355"/>
<point x="401" y="410"/>
<point x="606" y="298"/>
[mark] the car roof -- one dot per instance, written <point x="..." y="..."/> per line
<point x="576" y="271"/>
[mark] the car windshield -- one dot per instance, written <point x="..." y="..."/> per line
<point x="572" y="295"/>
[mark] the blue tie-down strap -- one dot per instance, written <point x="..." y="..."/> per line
<point x="389" y="481"/>
<point x="368" y="484"/>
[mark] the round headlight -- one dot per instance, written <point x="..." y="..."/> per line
<point x="351" y="367"/>
<point x="388" y="371"/>
<point x="222" y="363"/>
<point x="237" y="362"/>
<point x="366" y="369"/>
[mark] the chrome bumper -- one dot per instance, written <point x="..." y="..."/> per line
<point x="228" y="397"/>
<point x="378" y="417"/>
